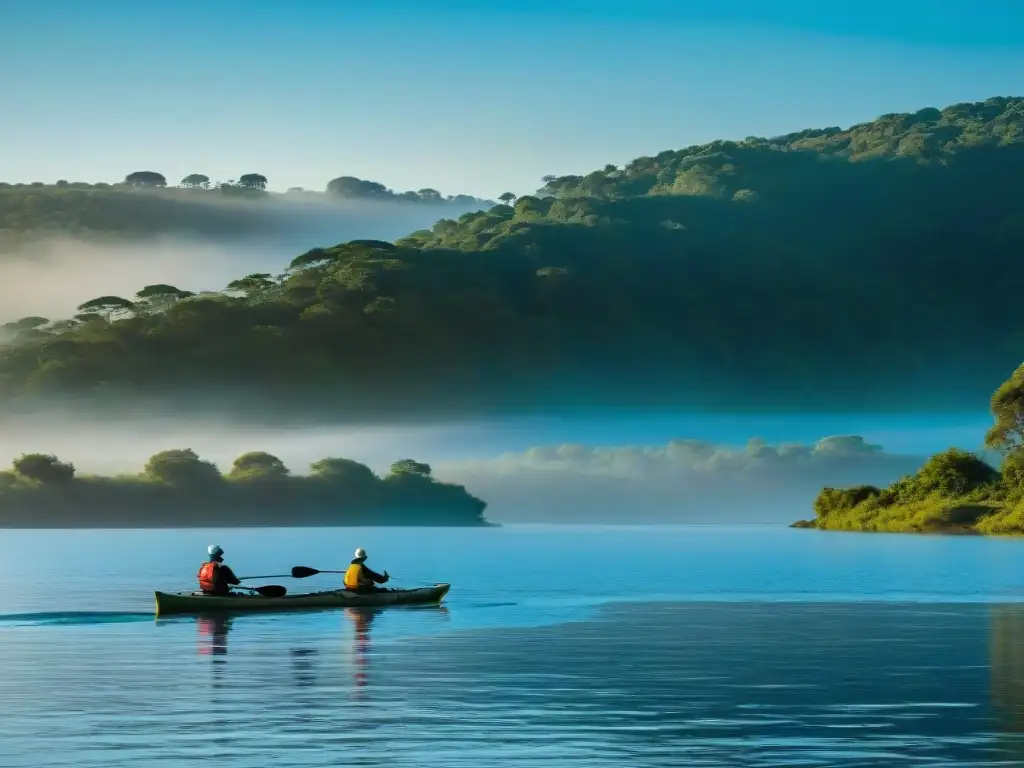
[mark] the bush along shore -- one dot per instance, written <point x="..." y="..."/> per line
<point x="955" y="491"/>
<point x="179" y="489"/>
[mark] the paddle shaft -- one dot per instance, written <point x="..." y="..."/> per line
<point x="271" y="576"/>
<point x="304" y="571"/>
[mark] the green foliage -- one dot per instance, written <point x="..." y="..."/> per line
<point x="182" y="467"/>
<point x="253" y="181"/>
<point x="345" y="471"/>
<point x="410" y="467"/>
<point x="1012" y="472"/>
<point x="1007" y="406"/>
<point x="832" y="267"/>
<point x="838" y="500"/>
<point x="954" y="490"/>
<point x="259" y="466"/>
<point x="953" y="472"/>
<point x="145" y="179"/>
<point x="178" y="488"/>
<point x="45" y="469"/>
<point x="196" y="180"/>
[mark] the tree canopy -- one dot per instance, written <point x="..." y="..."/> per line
<point x="827" y="268"/>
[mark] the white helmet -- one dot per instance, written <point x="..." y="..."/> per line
<point x="360" y="553"/>
<point x="214" y="550"/>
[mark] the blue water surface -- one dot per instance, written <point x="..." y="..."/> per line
<point x="567" y="646"/>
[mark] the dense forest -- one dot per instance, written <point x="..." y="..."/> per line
<point x="872" y="267"/>
<point x="179" y="489"/>
<point x="144" y="204"/>
<point x="954" y="491"/>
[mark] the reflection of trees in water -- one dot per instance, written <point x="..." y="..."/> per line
<point x="1006" y="669"/>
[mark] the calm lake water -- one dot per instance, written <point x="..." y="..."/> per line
<point x="556" y="646"/>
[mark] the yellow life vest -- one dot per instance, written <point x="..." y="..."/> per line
<point x="354" y="576"/>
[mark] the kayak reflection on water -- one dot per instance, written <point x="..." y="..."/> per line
<point x="213" y="634"/>
<point x="360" y="650"/>
<point x="362" y="619"/>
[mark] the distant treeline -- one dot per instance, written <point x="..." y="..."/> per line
<point x="145" y="205"/>
<point x="954" y="491"/>
<point x="868" y="268"/>
<point x="179" y="489"/>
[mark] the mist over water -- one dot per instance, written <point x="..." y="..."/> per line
<point x="606" y="469"/>
<point x="51" y="275"/>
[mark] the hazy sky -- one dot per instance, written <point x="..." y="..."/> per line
<point x="468" y="96"/>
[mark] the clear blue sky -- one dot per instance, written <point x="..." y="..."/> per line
<point x="464" y="95"/>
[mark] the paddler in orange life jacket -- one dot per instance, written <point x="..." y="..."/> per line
<point x="359" y="578"/>
<point x="215" y="578"/>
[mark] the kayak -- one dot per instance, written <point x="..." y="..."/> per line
<point x="197" y="602"/>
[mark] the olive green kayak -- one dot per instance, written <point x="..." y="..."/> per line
<point x="197" y="602"/>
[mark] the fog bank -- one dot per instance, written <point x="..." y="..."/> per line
<point x="685" y="481"/>
<point x="681" y="481"/>
<point x="50" y="275"/>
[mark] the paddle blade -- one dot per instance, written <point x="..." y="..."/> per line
<point x="301" y="572"/>
<point x="271" y="590"/>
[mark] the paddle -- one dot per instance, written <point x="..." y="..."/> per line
<point x="270" y="590"/>
<point x="303" y="571"/>
<point x="271" y="576"/>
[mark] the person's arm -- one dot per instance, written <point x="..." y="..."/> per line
<point x="229" y="575"/>
<point x="374" y="575"/>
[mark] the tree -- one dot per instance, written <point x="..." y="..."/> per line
<point x="162" y="292"/>
<point x="145" y="179"/>
<point x="109" y="307"/>
<point x="953" y="472"/>
<point x="430" y="195"/>
<point x="44" y="468"/>
<point x="252" y="181"/>
<point x="351" y="186"/>
<point x="196" y="181"/>
<point x="182" y="467"/>
<point x="1007" y="406"/>
<point x="253" y="285"/>
<point x="1012" y="471"/>
<point x="344" y="472"/>
<point x="311" y="258"/>
<point x="258" y="465"/>
<point x="410" y="467"/>
<point x="25" y="324"/>
<point x="507" y="198"/>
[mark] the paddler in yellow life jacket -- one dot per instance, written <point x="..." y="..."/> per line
<point x="360" y="578"/>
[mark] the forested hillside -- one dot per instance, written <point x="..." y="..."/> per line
<point x="873" y="267"/>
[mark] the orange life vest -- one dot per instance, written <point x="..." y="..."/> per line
<point x="208" y="576"/>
